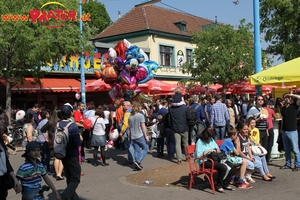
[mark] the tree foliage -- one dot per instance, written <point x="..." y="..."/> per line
<point x="100" y="19"/>
<point x="280" y="21"/>
<point x="26" y="46"/>
<point x="222" y="55"/>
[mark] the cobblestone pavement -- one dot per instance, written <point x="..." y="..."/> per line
<point x="107" y="183"/>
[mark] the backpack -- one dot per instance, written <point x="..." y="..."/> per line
<point x="61" y="141"/>
<point x="193" y="112"/>
<point x="162" y="130"/>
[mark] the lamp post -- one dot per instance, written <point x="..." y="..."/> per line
<point x="257" y="44"/>
<point x="82" y="76"/>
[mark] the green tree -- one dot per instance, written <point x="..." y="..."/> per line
<point x="99" y="16"/>
<point x="25" y="46"/>
<point x="222" y="55"/>
<point x="280" y="21"/>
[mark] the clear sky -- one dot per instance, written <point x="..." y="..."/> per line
<point x="225" y="10"/>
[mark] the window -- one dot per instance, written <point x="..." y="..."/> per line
<point x="166" y="55"/>
<point x="181" y="25"/>
<point x="188" y="54"/>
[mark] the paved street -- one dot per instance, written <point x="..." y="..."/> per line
<point x="107" y="183"/>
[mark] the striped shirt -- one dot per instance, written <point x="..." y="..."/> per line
<point x="31" y="174"/>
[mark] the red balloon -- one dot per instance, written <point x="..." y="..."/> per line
<point x="87" y="124"/>
<point x="125" y="87"/>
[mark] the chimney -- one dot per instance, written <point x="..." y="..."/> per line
<point x="150" y="2"/>
<point x="119" y="14"/>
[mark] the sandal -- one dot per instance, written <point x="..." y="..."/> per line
<point x="229" y="188"/>
<point x="285" y="167"/>
<point x="59" y="178"/>
<point x="220" y="190"/>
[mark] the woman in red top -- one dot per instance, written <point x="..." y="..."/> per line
<point x="270" y="117"/>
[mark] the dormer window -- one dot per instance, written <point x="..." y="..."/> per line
<point x="181" y="25"/>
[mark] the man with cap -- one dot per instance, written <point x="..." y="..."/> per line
<point x="71" y="165"/>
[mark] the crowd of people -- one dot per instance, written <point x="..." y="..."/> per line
<point x="174" y="123"/>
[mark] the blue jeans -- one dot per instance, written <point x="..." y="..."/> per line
<point x="219" y="132"/>
<point x="255" y="165"/>
<point x="290" y="140"/>
<point x="153" y="142"/>
<point x="263" y="169"/>
<point x="141" y="148"/>
<point x="130" y="150"/>
<point x="170" y="143"/>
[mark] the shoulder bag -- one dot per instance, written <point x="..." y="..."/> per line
<point x="258" y="150"/>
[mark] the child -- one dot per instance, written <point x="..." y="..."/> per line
<point x="228" y="147"/>
<point x="30" y="174"/>
<point x="254" y="135"/>
<point x="160" y="137"/>
<point x="154" y="135"/>
<point x="178" y="99"/>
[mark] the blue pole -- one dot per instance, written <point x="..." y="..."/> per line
<point x="82" y="76"/>
<point x="257" y="45"/>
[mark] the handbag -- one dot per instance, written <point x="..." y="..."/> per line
<point x="217" y="157"/>
<point x="9" y="181"/>
<point x="258" y="150"/>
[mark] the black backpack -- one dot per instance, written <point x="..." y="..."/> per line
<point x="193" y="112"/>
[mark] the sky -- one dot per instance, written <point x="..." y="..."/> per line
<point x="225" y="10"/>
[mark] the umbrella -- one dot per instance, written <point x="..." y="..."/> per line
<point x="97" y="86"/>
<point x="287" y="73"/>
<point x="156" y="87"/>
<point x="198" y="89"/>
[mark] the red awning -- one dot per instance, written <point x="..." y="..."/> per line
<point x="47" y="85"/>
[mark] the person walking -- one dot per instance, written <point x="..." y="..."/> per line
<point x="71" y="165"/>
<point x="138" y="134"/>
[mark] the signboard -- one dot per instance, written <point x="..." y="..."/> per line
<point x="91" y="62"/>
<point x="51" y="14"/>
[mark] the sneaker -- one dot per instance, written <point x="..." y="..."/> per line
<point x="285" y="167"/>
<point x="138" y="165"/>
<point x="244" y="185"/>
<point x="296" y="168"/>
<point x="249" y="179"/>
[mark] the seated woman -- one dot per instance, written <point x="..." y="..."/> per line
<point x="206" y="145"/>
<point x="229" y="148"/>
<point x="258" y="162"/>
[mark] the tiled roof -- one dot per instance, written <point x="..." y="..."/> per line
<point x="149" y="17"/>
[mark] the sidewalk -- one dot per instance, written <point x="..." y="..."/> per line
<point x="107" y="183"/>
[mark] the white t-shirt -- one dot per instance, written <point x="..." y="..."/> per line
<point x="99" y="127"/>
<point x="106" y="116"/>
<point x="155" y="131"/>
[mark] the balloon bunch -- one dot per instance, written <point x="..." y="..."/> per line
<point x="125" y="68"/>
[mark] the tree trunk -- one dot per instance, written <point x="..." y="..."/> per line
<point x="224" y="92"/>
<point x="8" y="98"/>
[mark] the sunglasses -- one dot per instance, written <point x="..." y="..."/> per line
<point x="260" y="99"/>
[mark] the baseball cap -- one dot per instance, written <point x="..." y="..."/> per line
<point x="31" y="146"/>
<point x="66" y="108"/>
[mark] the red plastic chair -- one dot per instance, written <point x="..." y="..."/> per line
<point x="195" y="170"/>
<point x="219" y="142"/>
